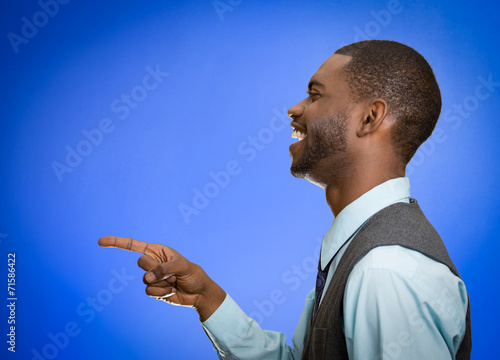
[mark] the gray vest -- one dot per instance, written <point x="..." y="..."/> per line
<point x="398" y="224"/>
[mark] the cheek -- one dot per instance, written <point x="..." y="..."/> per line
<point x="351" y="134"/>
<point x="354" y="146"/>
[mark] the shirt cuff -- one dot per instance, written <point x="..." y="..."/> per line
<point x="227" y="324"/>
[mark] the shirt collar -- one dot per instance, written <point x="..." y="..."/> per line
<point x="357" y="212"/>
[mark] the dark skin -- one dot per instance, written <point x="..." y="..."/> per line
<point x="175" y="280"/>
<point x="367" y="160"/>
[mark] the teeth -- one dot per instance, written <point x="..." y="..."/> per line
<point x="298" y="135"/>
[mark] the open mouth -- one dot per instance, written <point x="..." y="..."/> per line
<point x="299" y="130"/>
<point x="297" y="134"/>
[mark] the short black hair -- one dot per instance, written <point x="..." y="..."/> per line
<point x="404" y="79"/>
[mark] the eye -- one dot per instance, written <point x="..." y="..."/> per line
<point x="313" y="95"/>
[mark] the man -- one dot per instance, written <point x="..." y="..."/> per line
<point x="386" y="287"/>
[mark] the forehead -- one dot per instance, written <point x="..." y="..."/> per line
<point x="329" y="73"/>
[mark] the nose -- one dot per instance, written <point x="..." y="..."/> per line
<point x="296" y="111"/>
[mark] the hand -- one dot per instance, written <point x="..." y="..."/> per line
<point x="171" y="277"/>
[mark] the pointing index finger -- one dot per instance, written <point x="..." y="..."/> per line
<point x="125" y="243"/>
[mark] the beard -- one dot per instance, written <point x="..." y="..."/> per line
<point x="329" y="139"/>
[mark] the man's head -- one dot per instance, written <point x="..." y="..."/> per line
<point x="372" y="101"/>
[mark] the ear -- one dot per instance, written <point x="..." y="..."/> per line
<point x="376" y="114"/>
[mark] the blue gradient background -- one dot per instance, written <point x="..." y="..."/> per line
<point x="226" y="76"/>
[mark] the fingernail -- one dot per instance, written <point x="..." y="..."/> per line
<point x="150" y="277"/>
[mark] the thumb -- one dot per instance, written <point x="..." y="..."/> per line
<point x="147" y="262"/>
<point x="167" y="269"/>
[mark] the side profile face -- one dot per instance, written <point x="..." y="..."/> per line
<point x="323" y="124"/>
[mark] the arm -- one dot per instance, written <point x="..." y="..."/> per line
<point x="172" y="278"/>
<point x="236" y="336"/>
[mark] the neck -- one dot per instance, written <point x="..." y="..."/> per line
<point x="352" y="186"/>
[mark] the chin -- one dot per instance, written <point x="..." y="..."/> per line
<point x="316" y="182"/>
<point x="307" y="175"/>
<point x="298" y="171"/>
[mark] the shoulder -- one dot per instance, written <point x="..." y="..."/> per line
<point x="410" y="265"/>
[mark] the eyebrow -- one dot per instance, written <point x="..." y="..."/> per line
<point x="313" y="83"/>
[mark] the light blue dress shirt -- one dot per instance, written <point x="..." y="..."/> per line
<point x="398" y="303"/>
